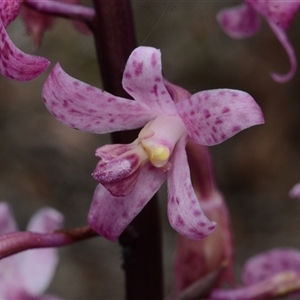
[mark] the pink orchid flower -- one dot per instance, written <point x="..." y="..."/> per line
<point x="271" y="274"/>
<point x="243" y="21"/>
<point x="26" y="275"/>
<point x="129" y="175"/>
<point x="15" y="64"/>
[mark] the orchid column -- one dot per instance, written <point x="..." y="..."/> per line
<point x="115" y="39"/>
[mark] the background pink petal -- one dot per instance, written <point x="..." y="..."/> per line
<point x="143" y="80"/>
<point x="15" y="64"/>
<point x="278" y="12"/>
<point x="295" y="191"/>
<point x="240" y="21"/>
<point x="81" y="106"/>
<point x="37" y="266"/>
<point x="265" y="265"/>
<point x="110" y="215"/>
<point x="213" y="116"/>
<point x="9" y="10"/>
<point x="7" y="219"/>
<point x="184" y="211"/>
<point x="283" y="39"/>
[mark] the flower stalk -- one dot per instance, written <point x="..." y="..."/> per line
<point x="115" y="39"/>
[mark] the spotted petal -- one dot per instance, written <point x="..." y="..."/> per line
<point x="9" y="10"/>
<point x="269" y="275"/>
<point x="283" y="39"/>
<point x="15" y="64"/>
<point x="37" y="266"/>
<point x="240" y="21"/>
<point x="81" y="106"/>
<point x="143" y="80"/>
<point x="110" y="215"/>
<point x="184" y="211"/>
<point x="213" y="116"/>
<point x="265" y="265"/>
<point x="280" y="13"/>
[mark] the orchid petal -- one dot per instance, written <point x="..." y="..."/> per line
<point x="81" y="106"/>
<point x="143" y="80"/>
<point x="269" y="275"/>
<point x="295" y="191"/>
<point x="266" y="265"/>
<point x="9" y="10"/>
<point x="110" y="215"/>
<point x="120" y="174"/>
<point x="15" y="64"/>
<point x="283" y="39"/>
<point x="239" y="22"/>
<point x="213" y="116"/>
<point x="41" y="262"/>
<point x="184" y="211"/>
<point x="280" y="13"/>
<point x="7" y="220"/>
<point x="176" y="92"/>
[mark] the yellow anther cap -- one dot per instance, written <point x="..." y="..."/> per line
<point x="158" y="155"/>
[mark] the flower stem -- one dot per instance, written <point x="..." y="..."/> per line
<point x="115" y="39"/>
<point x="69" y="11"/>
<point x="16" y="242"/>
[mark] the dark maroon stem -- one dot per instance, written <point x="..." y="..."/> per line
<point x="115" y="39"/>
<point x="16" y="242"/>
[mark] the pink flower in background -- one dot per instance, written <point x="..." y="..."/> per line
<point x="129" y="175"/>
<point x="295" y="191"/>
<point x="27" y="275"/>
<point x="243" y="21"/>
<point x="15" y="64"/>
<point x="37" y="23"/>
<point x="268" y="275"/>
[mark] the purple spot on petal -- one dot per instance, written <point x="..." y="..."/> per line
<point x="202" y="224"/>
<point x="138" y="68"/>
<point x="153" y="60"/>
<point x="218" y="121"/>
<point x="206" y="113"/>
<point x="127" y="75"/>
<point x="90" y="88"/>
<point x="235" y="129"/>
<point x="180" y="221"/>
<point x="225" y="110"/>
<point x="157" y="79"/>
<point x="154" y="90"/>
<point x="197" y="213"/>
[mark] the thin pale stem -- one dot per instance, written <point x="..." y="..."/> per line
<point x="16" y="242"/>
<point x="60" y="9"/>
